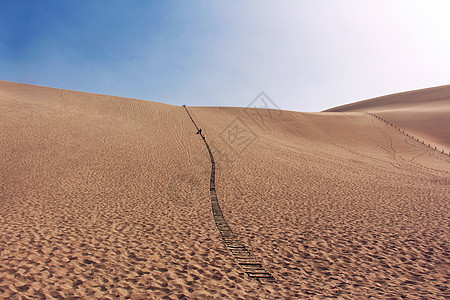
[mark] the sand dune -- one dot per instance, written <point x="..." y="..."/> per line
<point x="107" y="197"/>
<point x="424" y="113"/>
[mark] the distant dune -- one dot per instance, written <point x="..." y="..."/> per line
<point x="108" y="197"/>
<point x="424" y="113"/>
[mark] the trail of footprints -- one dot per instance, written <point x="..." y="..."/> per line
<point x="243" y="256"/>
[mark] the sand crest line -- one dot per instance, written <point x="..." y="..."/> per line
<point x="251" y="266"/>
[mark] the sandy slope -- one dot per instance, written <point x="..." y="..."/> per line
<point x="108" y="197"/>
<point x="424" y="113"/>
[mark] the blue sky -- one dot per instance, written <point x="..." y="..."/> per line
<point x="305" y="55"/>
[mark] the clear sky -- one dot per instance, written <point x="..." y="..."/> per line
<point x="305" y="55"/>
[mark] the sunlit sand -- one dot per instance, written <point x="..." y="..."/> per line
<point x="108" y="197"/>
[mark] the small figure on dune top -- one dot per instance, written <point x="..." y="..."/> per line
<point x="199" y="131"/>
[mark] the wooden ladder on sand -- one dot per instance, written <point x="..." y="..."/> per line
<point x="243" y="256"/>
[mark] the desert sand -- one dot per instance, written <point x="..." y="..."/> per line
<point x="108" y="197"/>
<point x="422" y="113"/>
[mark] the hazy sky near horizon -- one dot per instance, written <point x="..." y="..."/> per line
<point x="305" y="55"/>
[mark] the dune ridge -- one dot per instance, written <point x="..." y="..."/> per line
<point x="108" y="197"/>
<point x="424" y="113"/>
